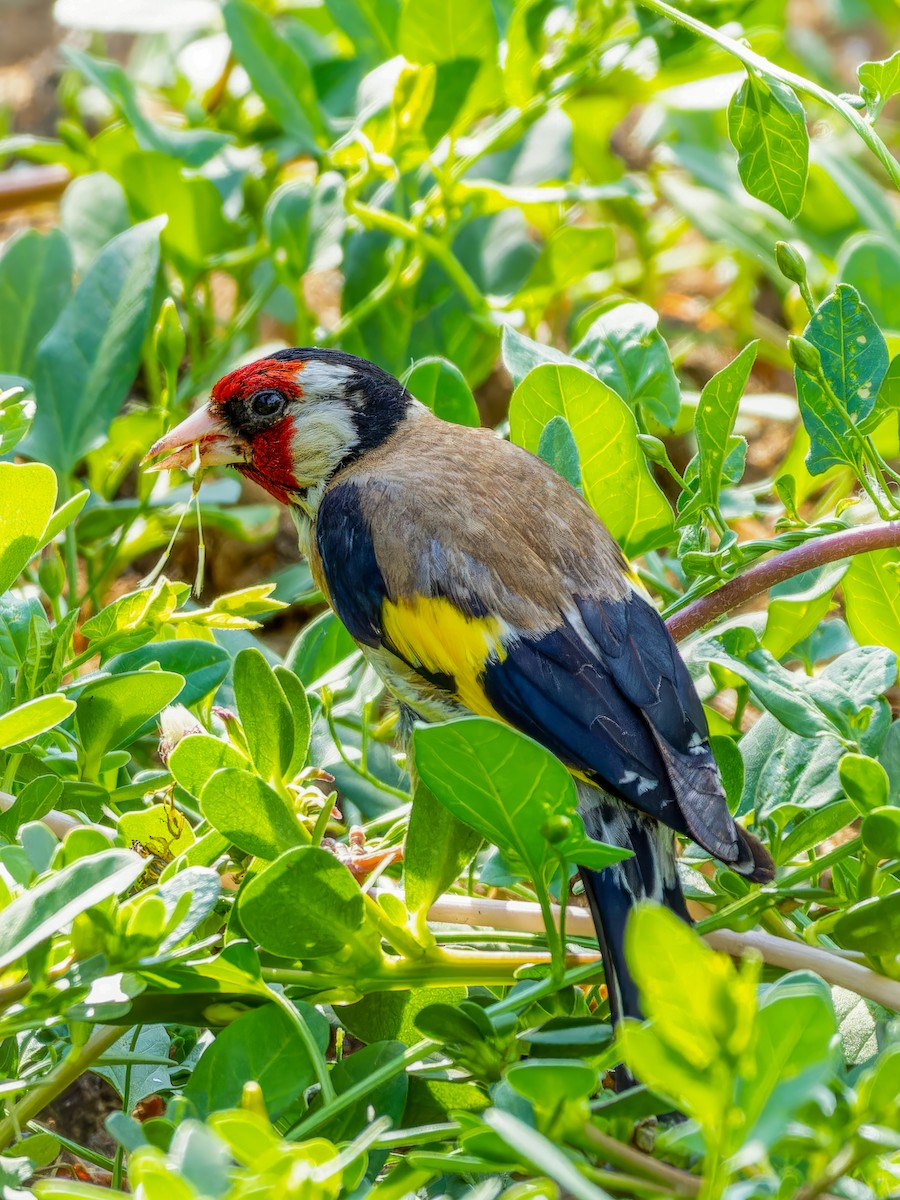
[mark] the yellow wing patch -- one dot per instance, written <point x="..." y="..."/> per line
<point x="431" y="631"/>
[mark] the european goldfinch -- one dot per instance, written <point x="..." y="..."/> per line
<point x="475" y="580"/>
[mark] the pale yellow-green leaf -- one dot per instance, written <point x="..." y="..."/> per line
<point x="34" y="717"/>
<point x="616" y="479"/>
<point x="27" y="496"/>
<point x="872" y="598"/>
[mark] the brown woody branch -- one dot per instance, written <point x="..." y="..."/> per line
<point x="758" y="579"/>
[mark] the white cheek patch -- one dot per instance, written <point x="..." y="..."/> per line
<point x="323" y="434"/>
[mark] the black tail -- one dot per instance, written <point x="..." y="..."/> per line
<point x="651" y="874"/>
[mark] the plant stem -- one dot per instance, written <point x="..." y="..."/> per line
<point x="680" y="1183"/>
<point x="806" y="86"/>
<point x="758" y="579"/>
<point x="777" y="951"/>
<point x="74" y="1064"/>
<point x="376" y="218"/>
<point x="312" y="1049"/>
<point x="359" y="1091"/>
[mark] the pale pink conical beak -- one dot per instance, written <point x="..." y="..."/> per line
<point x="205" y="431"/>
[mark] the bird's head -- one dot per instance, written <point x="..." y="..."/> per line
<point x="290" y="420"/>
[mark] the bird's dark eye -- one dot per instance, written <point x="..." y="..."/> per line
<point x="267" y="403"/>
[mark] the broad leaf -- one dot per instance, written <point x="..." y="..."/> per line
<point x="713" y="423"/>
<point x="878" y="82"/>
<point x="767" y="126"/>
<point x="49" y="907"/>
<point x="263" y="1046"/>
<point x="277" y="71"/>
<point x="854" y="362"/>
<point x="619" y="487"/>
<point x="36" y="716"/>
<point x="307" y="905"/>
<point x="626" y="350"/>
<point x="196" y="228"/>
<point x="87" y="362"/>
<point x="508" y="789"/>
<point x="27" y="496"/>
<point x="265" y="714"/>
<point x="250" y="814"/>
<point x="441" y="387"/>
<point x="35" y="282"/>
<point x="871" y="590"/>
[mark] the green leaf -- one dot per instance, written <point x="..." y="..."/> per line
<point x="790" y="772"/>
<point x="441" y="386"/>
<point x="797" y="606"/>
<point x="196" y="228"/>
<point x="431" y="31"/>
<point x="864" y="780"/>
<point x="194" y="147"/>
<point x="250" y="814"/>
<point x="202" y="665"/>
<point x="295" y="693"/>
<point x="277" y="71"/>
<point x="92" y="211"/>
<point x="809" y="709"/>
<point x="27" y="496"/>
<point x="557" y="448"/>
<point x="48" y="907"/>
<point x="371" y="26"/>
<point x="319" y="648"/>
<point x="854" y="361"/>
<point x="700" y="1011"/>
<point x="16" y="413"/>
<point x="881" y="832"/>
<point x="262" y="1047"/>
<point x="619" y="487"/>
<point x="878" y="82"/>
<point x="306" y="905"/>
<point x="767" y="127"/>
<point x="713" y="425"/>
<point x="113" y="710"/>
<point x="507" y="788"/>
<point x="796" y="1032"/>
<point x="626" y="351"/>
<point x="36" y="716"/>
<point x="872" y="926"/>
<point x="305" y="225"/>
<point x="265" y="714"/>
<point x="522" y="354"/>
<point x="439" y="847"/>
<point x="541" y="1155"/>
<point x="550" y="1082"/>
<point x="871" y="589"/>
<point x="64" y="516"/>
<point x="33" y="802"/>
<point x="355" y="1069"/>
<point x="35" y="282"/>
<point x="87" y="362"/>
<point x="870" y="263"/>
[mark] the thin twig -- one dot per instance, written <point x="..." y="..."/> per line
<point x="674" y="1180"/>
<point x="758" y="579"/>
<point x="778" y="952"/>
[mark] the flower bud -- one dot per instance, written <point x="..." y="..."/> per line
<point x="805" y="356"/>
<point x="556" y="829"/>
<point x="168" y="337"/>
<point x="790" y="262"/>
